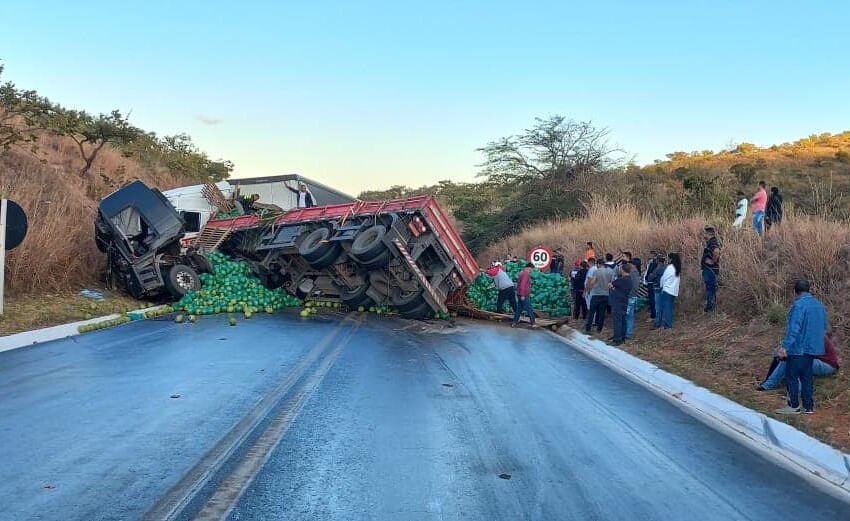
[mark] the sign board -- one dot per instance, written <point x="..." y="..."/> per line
<point x="540" y="256"/>
<point x="13" y="229"/>
<point x="16" y="225"/>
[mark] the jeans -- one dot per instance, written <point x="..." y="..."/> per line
<point x="665" y="310"/>
<point x="799" y="379"/>
<point x="524" y="304"/>
<point x="650" y="297"/>
<point x="630" y="316"/>
<point x="758" y="222"/>
<point x="657" y="300"/>
<point x="709" y="276"/>
<point x="507" y="294"/>
<point x="618" y="317"/>
<point x="579" y="305"/>
<point x="596" y="312"/>
<point x="819" y="368"/>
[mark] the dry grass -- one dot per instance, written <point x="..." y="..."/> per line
<point x="33" y="312"/>
<point x="729" y="351"/>
<point x="58" y="253"/>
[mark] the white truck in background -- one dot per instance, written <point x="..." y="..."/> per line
<point x="196" y="209"/>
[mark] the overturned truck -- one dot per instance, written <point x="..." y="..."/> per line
<point x="404" y="253"/>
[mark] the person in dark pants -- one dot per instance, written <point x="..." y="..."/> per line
<point x="803" y="341"/>
<point x="577" y="288"/>
<point x="505" y="286"/>
<point x="650" y="286"/>
<point x="598" y="287"/>
<point x="523" y="293"/>
<point x="654" y="279"/>
<point x="557" y="265"/>
<point x="710" y="264"/>
<point x="773" y="214"/>
<point x="620" y="288"/>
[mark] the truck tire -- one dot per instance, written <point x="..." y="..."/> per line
<point x="181" y="279"/>
<point x="315" y="248"/>
<point x="406" y="301"/>
<point x="423" y="310"/>
<point x="380" y="282"/>
<point x="369" y="244"/>
<point x="354" y="298"/>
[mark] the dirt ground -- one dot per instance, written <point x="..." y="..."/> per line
<point x="731" y="359"/>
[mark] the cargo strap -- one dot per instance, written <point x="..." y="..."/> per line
<point x="420" y="275"/>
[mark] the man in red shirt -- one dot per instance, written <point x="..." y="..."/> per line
<point x="759" y="203"/>
<point x="523" y="293"/>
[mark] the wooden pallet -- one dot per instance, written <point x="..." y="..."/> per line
<point x="216" y="198"/>
<point x="464" y="307"/>
<point x="211" y="238"/>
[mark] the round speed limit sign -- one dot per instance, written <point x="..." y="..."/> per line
<point x="540" y="256"/>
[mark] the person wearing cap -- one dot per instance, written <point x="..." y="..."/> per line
<point x="710" y="264"/>
<point x="504" y="285"/>
<point x="305" y="198"/>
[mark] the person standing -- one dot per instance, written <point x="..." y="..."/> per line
<point x="773" y="214"/>
<point x="803" y="341"/>
<point x="523" y="293"/>
<point x="759" y="202"/>
<point x="305" y="198"/>
<point x="620" y="289"/>
<point x="589" y="253"/>
<point x="740" y="211"/>
<point x="557" y="264"/>
<point x="710" y="265"/>
<point x="577" y="288"/>
<point x="598" y="285"/>
<point x="591" y="270"/>
<point x="504" y="285"/>
<point x="669" y="291"/>
<point x="634" y="274"/>
<point x="653" y="279"/>
<point x="650" y="288"/>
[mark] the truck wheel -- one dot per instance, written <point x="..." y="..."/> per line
<point x="329" y="258"/>
<point x="423" y="310"/>
<point x="406" y="301"/>
<point x="182" y="279"/>
<point x="354" y="298"/>
<point x="380" y="282"/>
<point x="378" y="262"/>
<point x="369" y="244"/>
<point x="315" y="248"/>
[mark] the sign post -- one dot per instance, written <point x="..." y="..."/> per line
<point x="13" y="229"/>
<point x="540" y="256"/>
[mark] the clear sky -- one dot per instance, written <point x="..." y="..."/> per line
<point x="364" y="95"/>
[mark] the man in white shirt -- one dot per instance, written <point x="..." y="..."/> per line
<point x="740" y="211"/>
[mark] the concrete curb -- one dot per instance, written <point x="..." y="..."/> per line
<point x="811" y="459"/>
<point x="37" y="336"/>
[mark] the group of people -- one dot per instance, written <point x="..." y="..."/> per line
<point x="608" y="283"/>
<point x="604" y="284"/>
<point x="767" y="210"/>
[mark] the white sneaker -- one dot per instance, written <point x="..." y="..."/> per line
<point x="788" y="410"/>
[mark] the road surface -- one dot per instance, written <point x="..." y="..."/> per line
<point x="359" y="417"/>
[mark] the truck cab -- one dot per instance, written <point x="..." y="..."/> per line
<point x="140" y="231"/>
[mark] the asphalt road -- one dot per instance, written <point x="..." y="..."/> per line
<point x="359" y="417"/>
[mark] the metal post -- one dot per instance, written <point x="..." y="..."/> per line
<point x="2" y="251"/>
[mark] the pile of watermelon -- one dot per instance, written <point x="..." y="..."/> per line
<point x="233" y="288"/>
<point x="550" y="293"/>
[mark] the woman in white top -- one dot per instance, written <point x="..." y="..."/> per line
<point x="740" y="211"/>
<point x="669" y="291"/>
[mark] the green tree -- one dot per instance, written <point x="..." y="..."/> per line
<point x="23" y="113"/>
<point x="91" y="134"/>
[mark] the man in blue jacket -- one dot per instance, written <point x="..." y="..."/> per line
<point x="807" y="323"/>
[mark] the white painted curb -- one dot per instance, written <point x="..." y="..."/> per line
<point x="813" y="460"/>
<point x="37" y="336"/>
